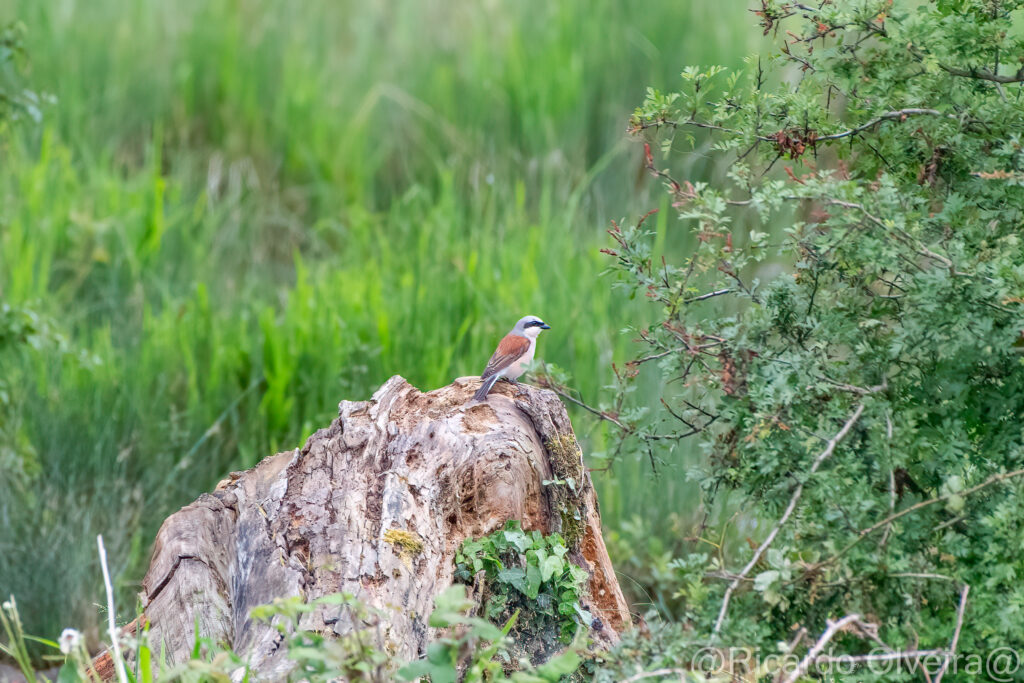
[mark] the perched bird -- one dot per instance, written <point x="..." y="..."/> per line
<point x="513" y="354"/>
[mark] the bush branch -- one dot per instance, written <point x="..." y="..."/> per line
<point x="829" y="448"/>
<point x="984" y="74"/>
<point x="834" y="627"/>
<point x="956" y="633"/>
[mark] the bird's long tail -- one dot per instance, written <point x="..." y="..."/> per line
<point x="481" y="393"/>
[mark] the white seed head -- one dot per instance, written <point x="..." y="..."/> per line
<point x="69" y="640"/>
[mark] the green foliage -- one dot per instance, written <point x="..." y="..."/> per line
<point x="469" y="649"/>
<point x="527" y="573"/>
<point x="472" y="651"/>
<point x="210" y="662"/>
<point x="863" y="398"/>
<point x="16" y="647"/>
<point x="444" y="661"/>
<point x="17" y="101"/>
<point x="237" y="214"/>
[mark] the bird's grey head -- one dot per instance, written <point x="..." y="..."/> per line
<point x="530" y="326"/>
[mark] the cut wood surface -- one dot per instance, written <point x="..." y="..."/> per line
<point x="376" y="504"/>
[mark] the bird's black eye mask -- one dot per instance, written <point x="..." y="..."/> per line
<point x="538" y="323"/>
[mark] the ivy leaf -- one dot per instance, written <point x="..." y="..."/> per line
<point x="533" y="581"/>
<point x="515" y="577"/>
<point x="551" y="566"/>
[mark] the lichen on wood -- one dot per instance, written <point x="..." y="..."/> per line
<point x="408" y="543"/>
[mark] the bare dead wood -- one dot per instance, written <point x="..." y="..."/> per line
<point x="376" y="505"/>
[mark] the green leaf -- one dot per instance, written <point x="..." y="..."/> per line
<point x="450" y="607"/>
<point x="551" y="566"/>
<point x="533" y="581"/>
<point x="558" y="666"/>
<point x="515" y="577"/>
<point x="519" y="539"/>
<point x="68" y="674"/>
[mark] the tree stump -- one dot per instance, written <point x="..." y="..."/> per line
<point x="376" y="505"/>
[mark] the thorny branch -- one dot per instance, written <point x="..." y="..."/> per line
<point x="855" y="624"/>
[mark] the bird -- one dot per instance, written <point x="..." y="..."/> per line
<point x="513" y="355"/>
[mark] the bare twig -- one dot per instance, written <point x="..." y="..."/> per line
<point x="898" y="115"/>
<point x="949" y="522"/>
<point x="785" y="516"/>
<point x="833" y="628"/>
<point x="656" y="356"/>
<point x="793" y="644"/>
<point x="709" y="295"/>
<point x="112" y="626"/>
<point x="880" y="657"/>
<point x="956" y="634"/>
<point x="590" y="409"/>
<point x="892" y="477"/>
<point x="921" y="575"/>
<point x="657" y="672"/>
<point x="852" y="388"/>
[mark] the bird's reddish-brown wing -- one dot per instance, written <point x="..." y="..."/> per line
<point x="510" y="349"/>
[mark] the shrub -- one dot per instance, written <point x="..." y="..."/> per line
<point x="845" y="337"/>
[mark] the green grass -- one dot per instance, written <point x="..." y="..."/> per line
<point x="239" y="212"/>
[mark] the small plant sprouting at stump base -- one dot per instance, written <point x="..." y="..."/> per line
<point x="378" y="504"/>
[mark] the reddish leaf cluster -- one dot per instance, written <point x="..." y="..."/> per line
<point x="793" y="142"/>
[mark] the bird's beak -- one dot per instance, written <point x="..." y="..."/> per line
<point x="545" y="326"/>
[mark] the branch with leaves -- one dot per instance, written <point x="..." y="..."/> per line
<point x="882" y="274"/>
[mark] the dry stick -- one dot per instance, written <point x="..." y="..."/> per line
<point x="657" y="672"/>
<point x="555" y="387"/>
<point x="118" y="662"/>
<point x="833" y="628"/>
<point x="814" y="655"/>
<point x="785" y="516"/>
<point x="709" y="295"/>
<point x="956" y="634"/>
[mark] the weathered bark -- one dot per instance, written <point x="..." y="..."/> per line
<point x="375" y="505"/>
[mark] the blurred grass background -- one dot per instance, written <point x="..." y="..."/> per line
<point x="238" y="212"/>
